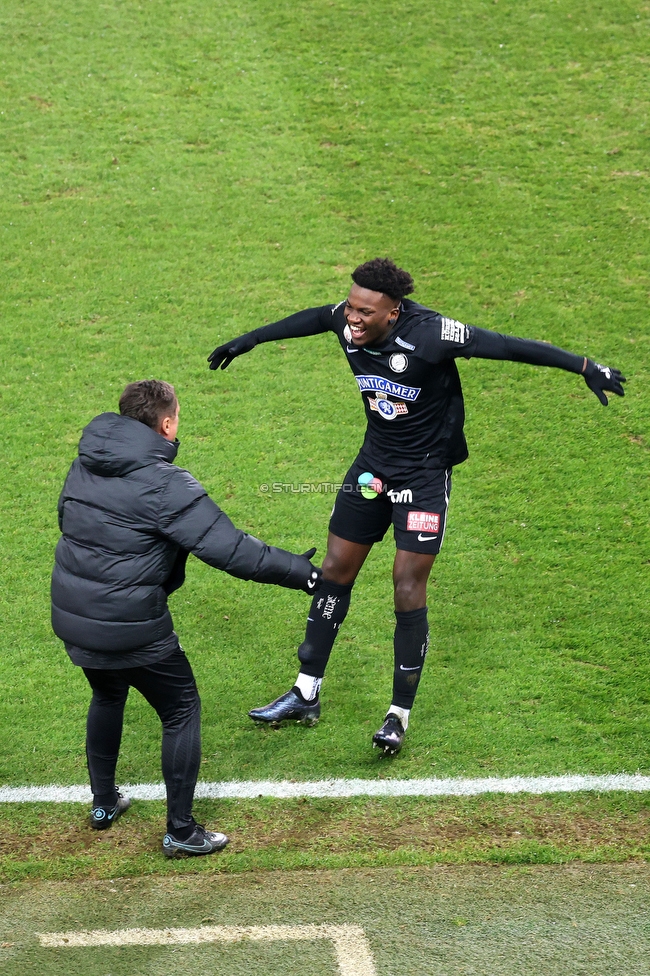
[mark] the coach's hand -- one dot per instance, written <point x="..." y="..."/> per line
<point x="303" y="574"/>
<point x="224" y="355"/>
<point x="315" y="573"/>
<point x="603" y="378"/>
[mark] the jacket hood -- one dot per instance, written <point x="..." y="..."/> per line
<point x="112" y="445"/>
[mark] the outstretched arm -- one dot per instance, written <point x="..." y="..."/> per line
<point x="191" y="519"/>
<point x="493" y="345"/>
<point x="311" y="321"/>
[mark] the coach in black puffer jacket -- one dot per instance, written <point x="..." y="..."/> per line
<point x="129" y="518"/>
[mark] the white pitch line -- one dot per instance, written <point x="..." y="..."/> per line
<point x="351" y="946"/>
<point x="343" y="788"/>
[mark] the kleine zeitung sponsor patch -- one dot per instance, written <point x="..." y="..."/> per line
<point x="422" y="522"/>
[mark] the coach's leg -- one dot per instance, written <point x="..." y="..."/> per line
<point x="170" y="688"/>
<point x="104" y="732"/>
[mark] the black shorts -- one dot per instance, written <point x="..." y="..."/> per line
<point x="415" y="502"/>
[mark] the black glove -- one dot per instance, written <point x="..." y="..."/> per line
<point x="600" y="378"/>
<point x="224" y="355"/>
<point x="304" y="575"/>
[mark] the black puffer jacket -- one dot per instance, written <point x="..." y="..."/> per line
<point x="129" y="517"/>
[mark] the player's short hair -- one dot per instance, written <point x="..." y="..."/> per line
<point x="382" y="274"/>
<point x="149" y="401"/>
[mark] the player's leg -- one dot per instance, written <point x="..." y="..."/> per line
<point x="410" y="644"/>
<point x="103" y="737"/>
<point x="361" y="515"/>
<point x="420" y="523"/>
<point x="170" y="688"/>
<point x="328" y="610"/>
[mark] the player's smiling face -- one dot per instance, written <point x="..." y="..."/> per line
<point x="370" y="315"/>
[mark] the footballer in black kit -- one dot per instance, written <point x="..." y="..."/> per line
<point x="403" y="357"/>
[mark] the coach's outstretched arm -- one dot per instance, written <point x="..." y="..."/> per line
<point x="485" y="344"/>
<point x="189" y="517"/>
<point x="311" y="321"/>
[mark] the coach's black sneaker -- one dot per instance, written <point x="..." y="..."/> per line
<point x="101" y="818"/>
<point x="390" y="737"/>
<point x="201" y="841"/>
<point x="289" y="707"/>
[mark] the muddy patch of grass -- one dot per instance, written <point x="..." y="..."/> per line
<point x="58" y="842"/>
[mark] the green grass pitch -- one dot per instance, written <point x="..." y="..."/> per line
<point x="176" y="173"/>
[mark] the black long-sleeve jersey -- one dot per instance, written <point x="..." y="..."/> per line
<point x="410" y="384"/>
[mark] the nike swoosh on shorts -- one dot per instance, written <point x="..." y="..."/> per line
<point x="426" y="538"/>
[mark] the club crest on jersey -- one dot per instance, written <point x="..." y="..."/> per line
<point x="379" y="384"/>
<point x="452" y="331"/>
<point x="387" y="408"/>
<point x="398" y="362"/>
<point x="347" y="335"/>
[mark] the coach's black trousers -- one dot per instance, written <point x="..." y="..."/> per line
<point x="170" y="688"/>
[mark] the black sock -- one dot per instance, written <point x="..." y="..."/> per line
<point x="326" y="614"/>
<point x="411" y="644"/>
<point x="181" y="833"/>
<point x="107" y="800"/>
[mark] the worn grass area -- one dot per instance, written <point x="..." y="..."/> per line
<point x="39" y="841"/>
<point x="174" y="174"/>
